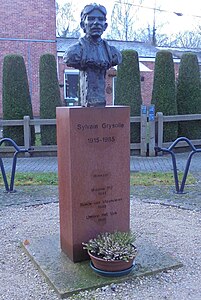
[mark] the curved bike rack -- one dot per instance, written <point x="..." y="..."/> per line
<point x="9" y="188"/>
<point x="179" y="189"/>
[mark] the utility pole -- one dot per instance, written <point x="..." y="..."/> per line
<point x="154" y="27"/>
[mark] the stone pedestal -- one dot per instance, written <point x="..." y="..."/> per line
<point x="94" y="174"/>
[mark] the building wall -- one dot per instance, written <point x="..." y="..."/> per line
<point x="147" y="79"/>
<point x="28" y="28"/>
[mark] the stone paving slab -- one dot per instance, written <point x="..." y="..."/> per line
<point x="29" y="196"/>
<point x="166" y="195"/>
<point x="68" y="278"/>
<point x="164" y="163"/>
<point x="137" y="163"/>
<point x="32" y="164"/>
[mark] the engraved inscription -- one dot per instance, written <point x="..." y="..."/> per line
<point x="102" y="191"/>
<point x="100" y="174"/>
<point x="113" y="125"/>
<point x="102" y="203"/>
<point x="112" y="200"/>
<point x="105" y="204"/>
<point x="82" y="127"/>
<point x="89" y="203"/>
<point x="88" y="127"/>
<point x="101" y="217"/>
<point x="105" y="139"/>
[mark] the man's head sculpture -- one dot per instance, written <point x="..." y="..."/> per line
<point x="93" y="16"/>
<point x="92" y="55"/>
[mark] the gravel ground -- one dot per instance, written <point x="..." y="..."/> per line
<point x="174" y="230"/>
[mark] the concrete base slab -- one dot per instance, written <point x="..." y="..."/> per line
<point x="69" y="278"/>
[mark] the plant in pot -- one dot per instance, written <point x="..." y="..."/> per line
<point x="112" y="252"/>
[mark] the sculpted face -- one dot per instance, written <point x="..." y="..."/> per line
<point x="94" y="24"/>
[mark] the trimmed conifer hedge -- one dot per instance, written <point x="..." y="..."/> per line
<point x="16" y="97"/>
<point x="164" y="92"/>
<point x="49" y="97"/>
<point x="128" y="88"/>
<point x="189" y="95"/>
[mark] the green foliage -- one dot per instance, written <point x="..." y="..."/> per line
<point x="112" y="246"/>
<point x="24" y="179"/>
<point x="157" y="178"/>
<point x="189" y="95"/>
<point x="49" y="97"/>
<point x="128" y="88"/>
<point x="16" y="97"/>
<point x="140" y="179"/>
<point x="164" y="92"/>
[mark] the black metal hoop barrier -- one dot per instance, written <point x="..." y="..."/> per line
<point x="9" y="188"/>
<point x="179" y="189"/>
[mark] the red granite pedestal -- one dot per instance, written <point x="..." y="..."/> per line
<point x="93" y="173"/>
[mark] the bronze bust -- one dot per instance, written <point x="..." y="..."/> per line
<point x="92" y="55"/>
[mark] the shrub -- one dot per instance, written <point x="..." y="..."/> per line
<point x="16" y="97"/>
<point x="112" y="246"/>
<point x="128" y="88"/>
<point x="164" y="92"/>
<point x="189" y="95"/>
<point x="49" y="97"/>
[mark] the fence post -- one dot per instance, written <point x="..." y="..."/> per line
<point x="151" y="130"/>
<point x="143" y="131"/>
<point x="27" y="134"/>
<point x="160" y="131"/>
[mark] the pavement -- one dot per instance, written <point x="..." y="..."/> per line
<point x="35" y="195"/>
<point x="66" y="277"/>
<point x="137" y="163"/>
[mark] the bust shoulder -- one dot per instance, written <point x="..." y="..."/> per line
<point x="115" y="54"/>
<point x="73" y="55"/>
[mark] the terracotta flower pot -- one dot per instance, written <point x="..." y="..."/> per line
<point x="110" y="266"/>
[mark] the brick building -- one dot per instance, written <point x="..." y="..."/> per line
<point x="27" y="28"/>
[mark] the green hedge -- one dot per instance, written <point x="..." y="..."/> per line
<point x="16" y="97"/>
<point x="49" y="97"/>
<point x="164" y="92"/>
<point x="128" y="88"/>
<point x="189" y="95"/>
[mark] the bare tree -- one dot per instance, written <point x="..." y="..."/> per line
<point x="188" y="39"/>
<point x="153" y="33"/>
<point x="125" y="25"/>
<point x="65" y="21"/>
<point x="145" y="35"/>
<point x="123" y="19"/>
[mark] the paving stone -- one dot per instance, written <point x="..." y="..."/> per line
<point x="69" y="278"/>
<point x="137" y="163"/>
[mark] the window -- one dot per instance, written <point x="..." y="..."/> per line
<point x="71" y="86"/>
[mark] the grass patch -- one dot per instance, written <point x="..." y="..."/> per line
<point x="38" y="139"/>
<point x="144" y="179"/>
<point x="33" y="179"/>
<point x="158" y="178"/>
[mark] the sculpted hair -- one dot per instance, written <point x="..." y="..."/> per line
<point x="88" y="8"/>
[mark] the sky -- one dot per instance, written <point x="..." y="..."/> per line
<point x="191" y="11"/>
